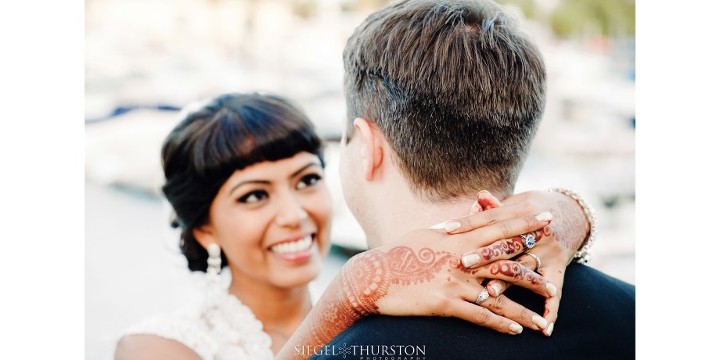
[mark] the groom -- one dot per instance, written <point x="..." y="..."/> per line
<point x="440" y="92"/>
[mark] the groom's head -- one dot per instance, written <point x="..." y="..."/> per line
<point x="453" y="89"/>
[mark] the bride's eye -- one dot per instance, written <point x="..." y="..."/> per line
<point x="253" y="197"/>
<point x="308" y="181"/>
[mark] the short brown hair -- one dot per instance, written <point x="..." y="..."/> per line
<point x="456" y="88"/>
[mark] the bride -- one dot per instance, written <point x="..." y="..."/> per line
<point x="244" y="175"/>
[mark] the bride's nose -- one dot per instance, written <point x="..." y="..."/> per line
<point x="291" y="212"/>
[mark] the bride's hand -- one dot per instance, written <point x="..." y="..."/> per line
<point x="422" y="274"/>
<point x="562" y="239"/>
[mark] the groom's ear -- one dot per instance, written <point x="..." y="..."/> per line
<point x="371" y="150"/>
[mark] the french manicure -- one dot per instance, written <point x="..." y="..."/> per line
<point x="544" y="216"/>
<point x="439" y="226"/>
<point x="550" y="289"/>
<point x="470" y="259"/>
<point x="549" y="329"/>
<point x="515" y="328"/>
<point x="496" y="288"/>
<point x="539" y="321"/>
<point x="451" y="226"/>
<point x="448" y="226"/>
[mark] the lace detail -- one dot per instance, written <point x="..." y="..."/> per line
<point x="222" y="328"/>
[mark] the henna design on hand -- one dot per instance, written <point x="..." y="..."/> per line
<point x="514" y="270"/>
<point x="508" y="246"/>
<point x="376" y="271"/>
<point x="365" y="280"/>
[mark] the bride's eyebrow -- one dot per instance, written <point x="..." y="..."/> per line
<point x="309" y="164"/>
<point x="266" y="182"/>
<point x="261" y="182"/>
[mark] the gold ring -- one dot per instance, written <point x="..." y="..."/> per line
<point x="537" y="260"/>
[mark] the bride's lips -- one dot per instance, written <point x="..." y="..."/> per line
<point x="296" y="250"/>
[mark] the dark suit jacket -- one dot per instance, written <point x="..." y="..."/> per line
<point x="596" y="320"/>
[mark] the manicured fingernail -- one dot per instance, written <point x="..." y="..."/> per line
<point x="470" y="259"/>
<point x="451" y="226"/>
<point x="482" y="193"/>
<point x="448" y="226"/>
<point x="516" y="328"/>
<point x="544" y="216"/>
<point x="497" y="289"/>
<point x="539" y="321"/>
<point x="549" y="329"/>
<point x="550" y="289"/>
<point x="439" y="226"/>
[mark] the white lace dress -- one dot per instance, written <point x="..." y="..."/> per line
<point x="222" y="328"/>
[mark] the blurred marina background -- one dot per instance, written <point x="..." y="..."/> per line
<point x="147" y="58"/>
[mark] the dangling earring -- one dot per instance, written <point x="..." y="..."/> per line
<point x="214" y="261"/>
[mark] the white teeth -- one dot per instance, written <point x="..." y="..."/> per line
<point x="293" y="246"/>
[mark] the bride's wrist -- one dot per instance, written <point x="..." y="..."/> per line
<point x="582" y="255"/>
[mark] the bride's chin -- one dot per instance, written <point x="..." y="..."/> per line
<point x="298" y="278"/>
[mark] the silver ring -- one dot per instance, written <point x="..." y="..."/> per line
<point x="482" y="296"/>
<point x="537" y="260"/>
<point x="528" y="241"/>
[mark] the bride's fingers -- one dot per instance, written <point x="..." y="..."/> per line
<point x="517" y="274"/>
<point x="485" y="201"/>
<point x="479" y="315"/>
<point x="552" y="304"/>
<point x="505" y="308"/>
<point x="508" y="233"/>
<point x="501" y="217"/>
<point x="496" y="287"/>
<point x="506" y="248"/>
<point x="508" y="308"/>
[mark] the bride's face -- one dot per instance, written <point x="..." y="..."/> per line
<point x="272" y="221"/>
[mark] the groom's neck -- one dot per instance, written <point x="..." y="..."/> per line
<point x="404" y="212"/>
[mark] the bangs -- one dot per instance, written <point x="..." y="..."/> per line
<point x="247" y="130"/>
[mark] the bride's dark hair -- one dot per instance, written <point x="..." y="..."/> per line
<point x="229" y="133"/>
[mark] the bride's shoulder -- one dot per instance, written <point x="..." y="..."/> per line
<point x="180" y="331"/>
<point x="149" y="346"/>
<point x="218" y="327"/>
